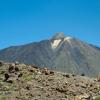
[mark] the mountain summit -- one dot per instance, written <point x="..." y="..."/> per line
<point x="61" y="53"/>
<point x="59" y="35"/>
<point x="59" y="38"/>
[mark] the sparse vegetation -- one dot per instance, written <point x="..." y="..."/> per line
<point x="26" y="84"/>
<point x="97" y="98"/>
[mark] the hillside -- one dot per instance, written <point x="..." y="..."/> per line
<point x="28" y="82"/>
<point x="61" y="53"/>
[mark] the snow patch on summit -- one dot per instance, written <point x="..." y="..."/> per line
<point x="55" y="43"/>
<point x="68" y="39"/>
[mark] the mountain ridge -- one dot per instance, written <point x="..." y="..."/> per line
<point x="66" y="54"/>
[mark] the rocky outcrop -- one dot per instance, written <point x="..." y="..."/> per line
<point x="28" y="82"/>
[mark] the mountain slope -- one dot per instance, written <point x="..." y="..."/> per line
<point x="60" y="53"/>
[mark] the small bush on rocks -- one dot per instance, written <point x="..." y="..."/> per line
<point x="97" y="98"/>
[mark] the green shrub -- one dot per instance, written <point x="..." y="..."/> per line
<point x="97" y="98"/>
<point x="2" y="97"/>
<point x="28" y="78"/>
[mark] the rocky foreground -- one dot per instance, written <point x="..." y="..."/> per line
<point x="28" y="82"/>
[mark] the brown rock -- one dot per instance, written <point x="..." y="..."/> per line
<point x="1" y="63"/>
<point x="98" y="79"/>
<point x="16" y="69"/>
<point x="67" y="75"/>
<point x="45" y="71"/>
<point x="34" y="66"/>
<point x="31" y="70"/>
<point x="10" y="81"/>
<point x="81" y="97"/>
<point x="6" y="76"/>
<point x="11" y="68"/>
<point x="51" y="72"/>
<point x="20" y="75"/>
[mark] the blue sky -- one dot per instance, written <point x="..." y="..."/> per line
<point x="25" y="21"/>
